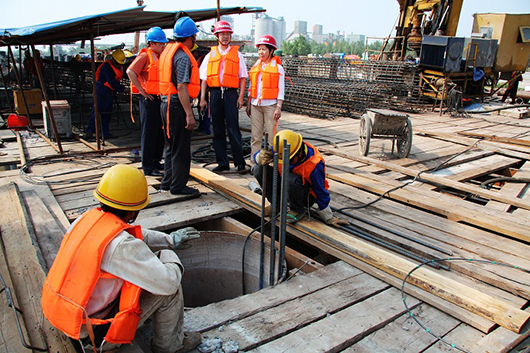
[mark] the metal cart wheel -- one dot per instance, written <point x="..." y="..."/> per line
<point x="404" y="143"/>
<point x="365" y="133"/>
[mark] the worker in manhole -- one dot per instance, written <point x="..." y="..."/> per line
<point x="224" y="71"/>
<point x="267" y="89"/>
<point x="307" y="178"/>
<point x="108" y="77"/>
<point x="118" y="275"/>
<point x="143" y="73"/>
<point x="179" y="84"/>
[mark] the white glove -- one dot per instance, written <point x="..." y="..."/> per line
<point x="326" y="214"/>
<point x="183" y="235"/>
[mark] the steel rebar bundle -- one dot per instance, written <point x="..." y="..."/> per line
<point x="329" y="87"/>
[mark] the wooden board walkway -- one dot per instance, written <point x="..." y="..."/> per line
<point x="445" y="207"/>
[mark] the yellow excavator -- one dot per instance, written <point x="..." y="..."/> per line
<point x="423" y="17"/>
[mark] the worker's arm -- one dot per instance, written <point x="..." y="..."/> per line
<point x="281" y="93"/>
<point x="241" y="98"/>
<point x="204" y="88"/>
<point x="107" y="75"/>
<point x="134" y="79"/>
<point x="243" y="74"/>
<point x="131" y="259"/>
<point x="182" y="66"/>
<point x="318" y="180"/>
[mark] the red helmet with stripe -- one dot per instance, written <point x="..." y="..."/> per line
<point x="222" y="26"/>
<point x="267" y="40"/>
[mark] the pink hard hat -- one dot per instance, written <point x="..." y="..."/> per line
<point x="267" y="40"/>
<point x="222" y="26"/>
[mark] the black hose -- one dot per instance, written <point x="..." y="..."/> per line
<point x="485" y="184"/>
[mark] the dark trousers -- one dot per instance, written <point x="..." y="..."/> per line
<point x="225" y="116"/>
<point x="105" y="99"/>
<point x="177" y="159"/>
<point x="299" y="196"/>
<point x="152" y="138"/>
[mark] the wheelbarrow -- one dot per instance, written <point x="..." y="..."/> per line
<point x="385" y="124"/>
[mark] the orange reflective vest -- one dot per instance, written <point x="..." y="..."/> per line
<point x="118" y="72"/>
<point x="151" y="86"/>
<point x="270" y="79"/>
<point x="306" y="168"/>
<point x="75" y="273"/>
<point x="231" y="68"/>
<point x="166" y="68"/>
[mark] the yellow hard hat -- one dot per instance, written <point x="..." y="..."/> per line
<point x="119" y="56"/>
<point x="293" y="138"/>
<point x="123" y="187"/>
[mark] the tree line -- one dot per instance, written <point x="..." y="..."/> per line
<point x="301" y="46"/>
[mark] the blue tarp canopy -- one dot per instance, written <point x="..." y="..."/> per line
<point x="118" y="22"/>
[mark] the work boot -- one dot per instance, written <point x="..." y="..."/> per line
<point x="294" y="216"/>
<point x="191" y="341"/>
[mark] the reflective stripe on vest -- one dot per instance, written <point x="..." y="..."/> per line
<point x="231" y="68"/>
<point x="76" y="271"/>
<point x="151" y="86"/>
<point x="117" y="72"/>
<point x="166" y="67"/>
<point x="270" y="79"/>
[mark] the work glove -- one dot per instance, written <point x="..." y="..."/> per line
<point x="327" y="216"/>
<point x="264" y="157"/>
<point x="181" y="236"/>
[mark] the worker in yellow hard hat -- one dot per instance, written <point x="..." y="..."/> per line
<point x="307" y="177"/>
<point x="108" y="77"/>
<point x="117" y="274"/>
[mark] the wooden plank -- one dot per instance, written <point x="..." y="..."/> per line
<point x="167" y="217"/>
<point x="463" y="336"/>
<point x="454" y="210"/>
<point x="270" y="324"/>
<point x="469" y="298"/>
<point x="490" y="195"/>
<point x="217" y="314"/>
<point x="405" y="335"/>
<point x="343" y="328"/>
<point x="48" y="232"/>
<point x="478" y="168"/>
<point x="7" y="135"/>
<point x="512" y="141"/>
<point x="512" y="189"/>
<point x="29" y="276"/>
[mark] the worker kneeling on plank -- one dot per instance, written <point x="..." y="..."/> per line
<point x="110" y="276"/>
<point x="307" y="178"/>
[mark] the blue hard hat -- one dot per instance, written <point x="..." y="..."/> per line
<point x="156" y="34"/>
<point x="185" y="27"/>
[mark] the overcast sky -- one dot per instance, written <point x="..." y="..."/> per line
<point x="368" y="17"/>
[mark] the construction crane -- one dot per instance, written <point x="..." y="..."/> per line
<point x="423" y="17"/>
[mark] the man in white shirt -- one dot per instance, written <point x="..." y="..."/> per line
<point x="223" y="71"/>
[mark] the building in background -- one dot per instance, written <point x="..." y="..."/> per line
<point x="318" y="34"/>
<point x="264" y="24"/>
<point x="352" y="38"/>
<point x="300" y="27"/>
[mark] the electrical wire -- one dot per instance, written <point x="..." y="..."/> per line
<point x="90" y="161"/>
<point x="243" y="255"/>
<point x="416" y="178"/>
<point x="438" y="337"/>
<point x="486" y="184"/>
<point x="206" y="153"/>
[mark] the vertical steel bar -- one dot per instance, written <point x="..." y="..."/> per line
<point x="283" y="206"/>
<point x="264" y="145"/>
<point x="273" y="214"/>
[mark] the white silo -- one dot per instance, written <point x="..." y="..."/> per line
<point x="264" y="25"/>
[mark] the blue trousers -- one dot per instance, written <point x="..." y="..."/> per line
<point x="152" y="137"/>
<point x="105" y="100"/>
<point x="225" y="119"/>
<point x="177" y="159"/>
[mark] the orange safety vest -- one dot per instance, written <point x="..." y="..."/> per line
<point x="306" y="168"/>
<point x="118" y="72"/>
<point x="166" y="67"/>
<point x="231" y="68"/>
<point x="75" y="273"/>
<point x="270" y="79"/>
<point x="151" y="86"/>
